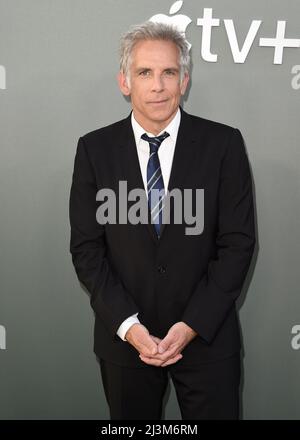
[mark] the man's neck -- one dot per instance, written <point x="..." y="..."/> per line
<point x="154" y="127"/>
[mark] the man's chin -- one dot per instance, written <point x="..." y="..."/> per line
<point x="161" y="114"/>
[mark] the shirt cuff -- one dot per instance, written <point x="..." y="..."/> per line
<point x="121" y="332"/>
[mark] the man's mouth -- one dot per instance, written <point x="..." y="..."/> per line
<point x="158" y="102"/>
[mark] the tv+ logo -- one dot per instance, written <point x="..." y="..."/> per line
<point x="239" y="50"/>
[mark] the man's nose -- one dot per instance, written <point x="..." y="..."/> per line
<point x="158" y="84"/>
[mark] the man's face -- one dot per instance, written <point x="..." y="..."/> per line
<point x="154" y="88"/>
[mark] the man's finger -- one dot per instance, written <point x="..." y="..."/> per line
<point x="151" y="361"/>
<point x="148" y="349"/>
<point x="165" y="343"/>
<point x="172" y="360"/>
<point x="163" y="357"/>
<point x="166" y="355"/>
<point x="159" y="363"/>
<point x="155" y="339"/>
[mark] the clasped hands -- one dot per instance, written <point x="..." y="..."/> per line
<point x="156" y="351"/>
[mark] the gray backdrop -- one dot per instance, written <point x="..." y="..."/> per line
<point x="59" y="63"/>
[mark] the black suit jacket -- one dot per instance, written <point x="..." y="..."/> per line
<point x="179" y="277"/>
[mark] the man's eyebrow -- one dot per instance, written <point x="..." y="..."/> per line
<point x="142" y="68"/>
<point x="138" y="69"/>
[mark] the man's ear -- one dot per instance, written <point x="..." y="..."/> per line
<point x="184" y="83"/>
<point x="122" y="81"/>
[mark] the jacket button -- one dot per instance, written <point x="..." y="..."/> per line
<point x="161" y="269"/>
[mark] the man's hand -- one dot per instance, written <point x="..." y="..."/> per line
<point x="138" y="336"/>
<point x="171" y="360"/>
<point x="169" y="349"/>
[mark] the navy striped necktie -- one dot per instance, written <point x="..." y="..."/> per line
<point x="155" y="183"/>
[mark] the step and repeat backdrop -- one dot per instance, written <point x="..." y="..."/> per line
<point x="58" y="69"/>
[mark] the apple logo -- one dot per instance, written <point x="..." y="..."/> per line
<point x="180" y="21"/>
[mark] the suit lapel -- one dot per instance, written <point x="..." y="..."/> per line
<point x="183" y="156"/>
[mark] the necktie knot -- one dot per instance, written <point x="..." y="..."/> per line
<point x="155" y="141"/>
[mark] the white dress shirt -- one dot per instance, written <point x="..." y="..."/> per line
<point x="165" y="154"/>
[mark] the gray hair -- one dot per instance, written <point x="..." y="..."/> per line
<point x="153" y="31"/>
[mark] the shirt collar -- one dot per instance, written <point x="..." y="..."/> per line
<point x="172" y="128"/>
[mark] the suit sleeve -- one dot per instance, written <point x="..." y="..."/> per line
<point x="218" y="289"/>
<point x="108" y="298"/>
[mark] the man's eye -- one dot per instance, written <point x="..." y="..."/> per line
<point x="170" y="72"/>
<point x="145" y="72"/>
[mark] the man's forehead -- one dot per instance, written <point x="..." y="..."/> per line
<point x="157" y="51"/>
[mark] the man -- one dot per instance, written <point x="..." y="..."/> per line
<point x="164" y="300"/>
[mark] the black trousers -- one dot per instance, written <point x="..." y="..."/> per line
<point x="204" y="392"/>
